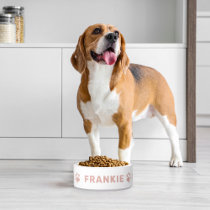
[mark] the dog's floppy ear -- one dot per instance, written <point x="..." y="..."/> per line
<point x="124" y="60"/>
<point x="78" y="57"/>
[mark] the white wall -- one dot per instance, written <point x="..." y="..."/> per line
<point x="65" y="20"/>
<point x="203" y="5"/>
<point x="203" y="64"/>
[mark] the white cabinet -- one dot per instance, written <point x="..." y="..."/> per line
<point x="72" y="124"/>
<point x="203" y="85"/>
<point x="203" y="96"/>
<point x="203" y="54"/>
<point x="203" y="25"/>
<point x="203" y="69"/>
<point x="30" y="92"/>
<point x="38" y="90"/>
<point x="170" y="62"/>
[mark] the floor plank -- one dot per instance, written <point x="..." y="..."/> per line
<point x="47" y="184"/>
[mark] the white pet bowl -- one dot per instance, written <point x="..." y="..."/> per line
<point x="103" y="178"/>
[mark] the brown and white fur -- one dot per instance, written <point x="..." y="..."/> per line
<point x="120" y="93"/>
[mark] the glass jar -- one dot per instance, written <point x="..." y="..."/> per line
<point x="18" y="12"/>
<point x="7" y="28"/>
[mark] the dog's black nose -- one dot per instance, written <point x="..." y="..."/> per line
<point x="112" y="37"/>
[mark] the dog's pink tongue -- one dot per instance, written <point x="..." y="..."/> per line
<point x="109" y="57"/>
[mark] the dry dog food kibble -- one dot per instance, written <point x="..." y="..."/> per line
<point x="102" y="161"/>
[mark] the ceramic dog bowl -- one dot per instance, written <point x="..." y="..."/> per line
<point x="103" y="178"/>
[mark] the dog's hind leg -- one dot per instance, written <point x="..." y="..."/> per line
<point x="176" y="157"/>
<point x="92" y="132"/>
<point x="164" y="109"/>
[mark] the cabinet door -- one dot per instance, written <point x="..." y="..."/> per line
<point x="170" y="62"/>
<point x="202" y="93"/>
<point x="203" y="32"/>
<point x="72" y="124"/>
<point x="202" y="54"/>
<point x="30" y="92"/>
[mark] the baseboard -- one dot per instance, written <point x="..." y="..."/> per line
<point x="65" y="148"/>
<point x="203" y="120"/>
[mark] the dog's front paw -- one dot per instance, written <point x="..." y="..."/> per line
<point x="176" y="161"/>
<point x="96" y="152"/>
<point x="124" y="155"/>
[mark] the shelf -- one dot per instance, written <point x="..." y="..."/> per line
<point x="203" y="14"/>
<point x="73" y="45"/>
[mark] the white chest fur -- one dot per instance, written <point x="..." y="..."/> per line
<point x="104" y="103"/>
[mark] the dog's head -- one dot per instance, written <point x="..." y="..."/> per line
<point x="103" y="44"/>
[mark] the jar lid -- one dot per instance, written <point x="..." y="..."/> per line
<point x="18" y="10"/>
<point x="5" y="18"/>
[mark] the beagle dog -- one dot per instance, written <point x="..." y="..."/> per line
<point x="113" y="91"/>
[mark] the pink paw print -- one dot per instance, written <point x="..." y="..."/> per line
<point x="77" y="177"/>
<point x="128" y="177"/>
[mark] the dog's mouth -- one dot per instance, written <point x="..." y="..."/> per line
<point x="108" y="56"/>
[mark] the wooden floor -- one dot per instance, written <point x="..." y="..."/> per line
<point x="26" y="184"/>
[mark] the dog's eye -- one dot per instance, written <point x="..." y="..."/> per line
<point x="97" y="31"/>
<point x="116" y="33"/>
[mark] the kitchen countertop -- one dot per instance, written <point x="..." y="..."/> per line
<point x="73" y="45"/>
